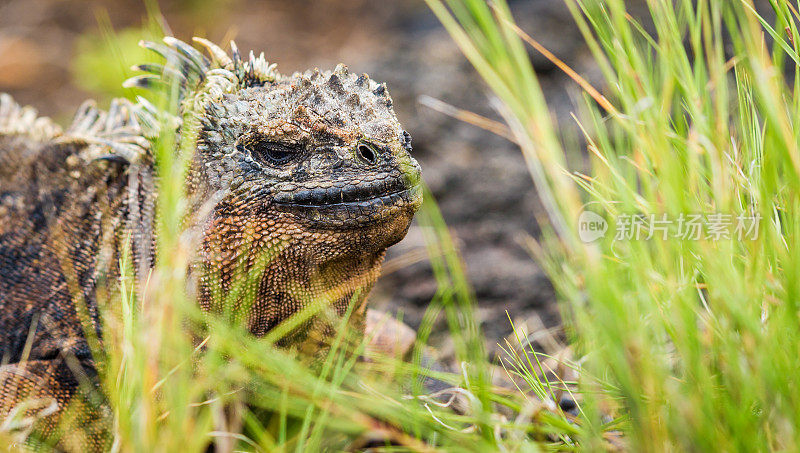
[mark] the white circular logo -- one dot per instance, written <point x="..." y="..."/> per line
<point x="591" y="226"/>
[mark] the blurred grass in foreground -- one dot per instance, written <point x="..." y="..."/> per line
<point x="178" y="379"/>
<point x="694" y="343"/>
<point x="685" y="344"/>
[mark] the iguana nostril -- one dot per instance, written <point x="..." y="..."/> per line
<point x="367" y="153"/>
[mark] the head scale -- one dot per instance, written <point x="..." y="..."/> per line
<point x="309" y="175"/>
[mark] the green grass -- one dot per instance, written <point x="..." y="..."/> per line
<point x="693" y="343"/>
<point x="178" y="379"/>
<point x="679" y="344"/>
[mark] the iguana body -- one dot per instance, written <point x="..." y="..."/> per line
<point x="310" y="170"/>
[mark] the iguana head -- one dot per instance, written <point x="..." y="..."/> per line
<point x="310" y="178"/>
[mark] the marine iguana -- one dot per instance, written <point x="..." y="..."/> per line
<point x="314" y="165"/>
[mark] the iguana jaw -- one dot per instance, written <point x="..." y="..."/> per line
<point x="343" y="193"/>
<point x="353" y="205"/>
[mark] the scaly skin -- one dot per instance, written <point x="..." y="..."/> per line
<point x="311" y="171"/>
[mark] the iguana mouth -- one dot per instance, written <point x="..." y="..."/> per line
<point x="348" y="203"/>
<point x="335" y="193"/>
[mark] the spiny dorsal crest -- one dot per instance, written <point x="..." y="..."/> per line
<point x="18" y="120"/>
<point x="202" y="80"/>
<point x="118" y="134"/>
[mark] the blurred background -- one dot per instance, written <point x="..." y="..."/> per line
<point x="54" y="54"/>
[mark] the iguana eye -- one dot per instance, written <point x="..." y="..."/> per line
<point x="272" y="153"/>
<point x="367" y="153"/>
